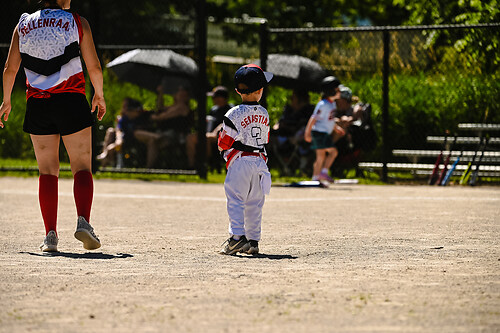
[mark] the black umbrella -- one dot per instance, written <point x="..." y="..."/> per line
<point x="150" y="68"/>
<point x="293" y="71"/>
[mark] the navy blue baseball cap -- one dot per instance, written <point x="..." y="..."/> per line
<point x="250" y="78"/>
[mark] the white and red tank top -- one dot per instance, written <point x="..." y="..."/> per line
<point x="49" y="42"/>
<point x="245" y="131"/>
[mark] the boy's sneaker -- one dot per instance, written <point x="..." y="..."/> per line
<point x="50" y="242"/>
<point x="232" y="246"/>
<point x="254" y="247"/>
<point x="85" y="234"/>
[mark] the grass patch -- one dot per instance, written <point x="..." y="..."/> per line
<point x="212" y="176"/>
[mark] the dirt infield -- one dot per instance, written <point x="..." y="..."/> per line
<point x="350" y="258"/>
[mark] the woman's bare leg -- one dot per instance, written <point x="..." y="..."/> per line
<point x="47" y="153"/>
<point x="79" y="148"/>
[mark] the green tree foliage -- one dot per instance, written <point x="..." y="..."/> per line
<point x="301" y="14"/>
<point x="310" y="13"/>
<point x="450" y="12"/>
<point x="485" y="56"/>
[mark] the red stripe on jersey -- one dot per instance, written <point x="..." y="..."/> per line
<point x="79" y="25"/>
<point x="225" y="141"/>
<point x="75" y="84"/>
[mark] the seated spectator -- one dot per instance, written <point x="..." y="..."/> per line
<point x="345" y="113"/>
<point x="135" y="124"/>
<point x="113" y="141"/>
<point x="295" y="114"/>
<point x="357" y="132"/>
<point x="174" y="122"/>
<point x="220" y="99"/>
<point x="349" y="115"/>
<point x="288" y="134"/>
<point x="130" y="127"/>
<point x="170" y="125"/>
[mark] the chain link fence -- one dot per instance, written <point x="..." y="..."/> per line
<point x="420" y="81"/>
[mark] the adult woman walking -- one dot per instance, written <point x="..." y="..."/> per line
<point x="49" y="42"/>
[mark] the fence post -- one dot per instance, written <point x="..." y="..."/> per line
<point x="385" y="106"/>
<point x="264" y="35"/>
<point x="96" y="34"/>
<point x="201" y="95"/>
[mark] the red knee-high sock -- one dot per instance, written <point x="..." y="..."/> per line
<point x="83" y="190"/>
<point x="47" y="196"/>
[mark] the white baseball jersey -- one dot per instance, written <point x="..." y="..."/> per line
<point x="324" y="113"/>
<point x="245" y="129"/>
<point x="49" y="43"/>
<point x="244" y="133"/>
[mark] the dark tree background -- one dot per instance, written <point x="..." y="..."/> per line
<point x="147" y="21"/>
<point x="115" y="22"/>
<point x="153" y="22"/>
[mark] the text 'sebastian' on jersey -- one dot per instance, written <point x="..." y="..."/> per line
<point x="245" y="130"/>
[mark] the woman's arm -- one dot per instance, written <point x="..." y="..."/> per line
<point x="94" y="69"/>
<point x="9" y="75"/>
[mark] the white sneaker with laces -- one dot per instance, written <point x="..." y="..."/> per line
<point x="85" y="234"/>
<point x="50" y="242"/>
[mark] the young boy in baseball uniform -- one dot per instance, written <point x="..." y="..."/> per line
<point x="320" y="127"/>
<point x="242" y="140"/>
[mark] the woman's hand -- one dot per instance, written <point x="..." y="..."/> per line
<point x="99" y="103"/>
<point x="4" y="111"/>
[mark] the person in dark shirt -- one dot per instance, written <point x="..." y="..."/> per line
<point x="175" y="121"/>
<point x="295" y="115"/>
<point x="287" y="134"/>
<point x="135" y="125"/>
<point x="220" y="98"/>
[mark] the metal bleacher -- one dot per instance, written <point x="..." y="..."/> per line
<point x="465" y="146"/>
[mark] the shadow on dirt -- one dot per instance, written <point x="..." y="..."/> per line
<point x="88" y="255"/>
<point x="267" y="256"/>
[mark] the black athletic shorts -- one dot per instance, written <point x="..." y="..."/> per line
<point x="63" y="114"/>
